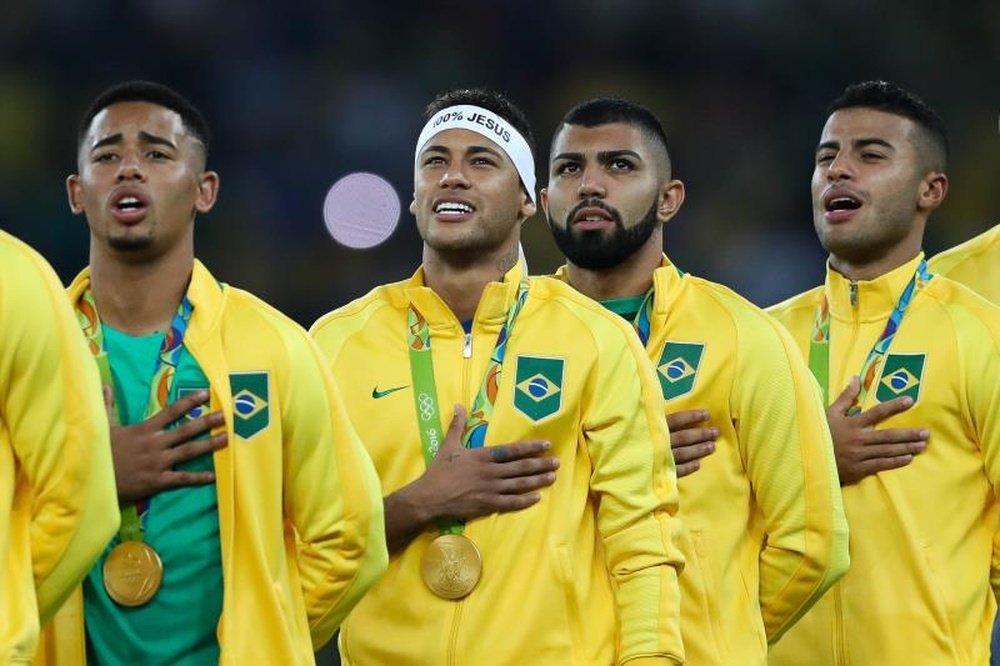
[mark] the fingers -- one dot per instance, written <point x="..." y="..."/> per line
<point x="504" y="453"/>
<point x="687" y="468"/>
<point x="176" y="410"/>
<point x="685" y="419"/>
<point x="508" y="503"/>
<point x="200" y="447"/>
<point x="691" y="452"/>
<point x="895" y="435"/>
<point x="690" y="436"/>
<point x="453" y="438"/>
<point x="847" y="396"/>
<point x="876" y="451"/>
<point x="523" y="484"/>
<point x="884" y="410"/>
<point x="173" y="479"/>
<point x="876" y="465"/>
<point x="526" y="467"/>
<point x="193" y="428"/>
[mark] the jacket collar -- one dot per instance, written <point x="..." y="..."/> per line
<point x="492" y="309"/>
<point x="206" y="294"/>
<point x="666" y="283"/>
<point x="871" y="300"/>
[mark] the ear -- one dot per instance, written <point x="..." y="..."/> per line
<point x="528" y="207"/>
<point x="670" y="201"/>
<point x="933" y="190"/>
<point x="413" y="205"/>
<point x="208" y="190"/>
<point x="543" y="196"/>
<point x="74" y="192"/>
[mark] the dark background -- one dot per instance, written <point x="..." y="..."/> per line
<point x="301" y="93"/>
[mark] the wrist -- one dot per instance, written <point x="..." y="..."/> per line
<point x="416" y="504"/>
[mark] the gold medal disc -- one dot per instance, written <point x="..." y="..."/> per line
<point x="452" y="566"/>
<point x="133" y="573"/>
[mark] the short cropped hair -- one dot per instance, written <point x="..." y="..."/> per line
<point x="890" y="98"/>
<point x="154" y="93"/>
<point x="607" y="110"/>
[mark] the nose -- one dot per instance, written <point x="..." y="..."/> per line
<point x="591" y="184"/>
<point x="129" y="167"/>
<point x="839" y="168"/>
<point x="454" y="176"/>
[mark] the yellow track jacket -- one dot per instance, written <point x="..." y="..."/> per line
<point x="300" y="509"/>
<point x="922" y="563"/>
<point x="58" y="507"/>
<point x="975" y="263"/>
<point x="764" y="527"/>
<point x="586" y="576"/>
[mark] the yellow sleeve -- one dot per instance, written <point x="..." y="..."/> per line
<point x="980" y="364"/>
<point x="782" y="429"/>
<point x="51" y="403"/>
<point x="332" y="495"/>
<point x="635" y="484"/>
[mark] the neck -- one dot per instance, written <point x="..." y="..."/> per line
<point x="872" y="269"/>
<point x="139" y="297"/>
<point x="632" y="277"/>
<point x="461" y="285"/>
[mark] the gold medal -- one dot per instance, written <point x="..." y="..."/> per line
<point x="133" y="573"/>
<point x="452" y="566"/>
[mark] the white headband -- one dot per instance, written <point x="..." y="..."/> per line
<point x="489" y="125"/>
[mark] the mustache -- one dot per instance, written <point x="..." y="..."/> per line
<point x="593" y="203"/>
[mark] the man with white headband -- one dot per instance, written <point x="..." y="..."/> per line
<point x="483" y="382"/>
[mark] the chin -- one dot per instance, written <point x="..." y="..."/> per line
<point x="130" y="243"/>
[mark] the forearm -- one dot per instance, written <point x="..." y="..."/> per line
<point x="645" y="570"/>
<point x="406" y="516"/>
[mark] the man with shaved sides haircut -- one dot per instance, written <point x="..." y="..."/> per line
<point x="516" y="431"/>
<point x="918" y="355"/>
<point x="251" y="518"/>
<point x="765" y="534"/>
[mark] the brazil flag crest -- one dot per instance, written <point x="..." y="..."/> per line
<point x="251" y="411"/>
<point x="901" y="375"/>
<point x="538" y="385"/>
<point x="677" y="368"/>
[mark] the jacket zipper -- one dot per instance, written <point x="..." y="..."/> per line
<point x="453" y="639"/>
<point x="845" y="371"/>
<point x="458" y="605"/>
<point x="840" y="636"/>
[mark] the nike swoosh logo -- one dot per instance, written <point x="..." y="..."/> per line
<point x="381" y="394"/>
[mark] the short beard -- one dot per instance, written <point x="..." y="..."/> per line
<point x="130" y="244"/>
<point x="596" y="249"/>
<point x="129" y="241"/>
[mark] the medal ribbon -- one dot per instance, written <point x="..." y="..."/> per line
<point x="819" y="342"/>
<point x="164" y="369"/>
<point x="425" y="391"/>
<point x="643" y="317"/>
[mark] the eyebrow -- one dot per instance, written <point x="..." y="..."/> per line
<point x="857" y="143"/>
<point x="144" y="137"/>
<point x="603" y="156"/>
<point x="472" y="150"/>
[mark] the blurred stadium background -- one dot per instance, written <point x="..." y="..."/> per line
<point x="300" y="93"/>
